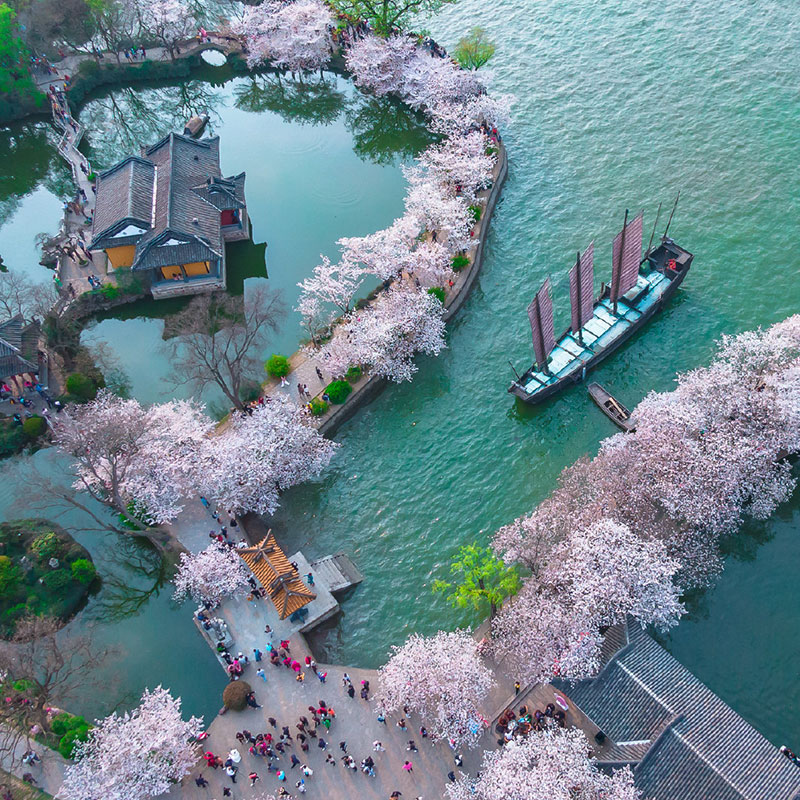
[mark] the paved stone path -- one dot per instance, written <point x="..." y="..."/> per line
<point x="48" y="771"/>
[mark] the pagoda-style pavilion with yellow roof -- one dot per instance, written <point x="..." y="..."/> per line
<point x="277" y="575"/>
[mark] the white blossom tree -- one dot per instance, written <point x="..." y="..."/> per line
<point x="125" y="455"/>
<point x="611" y="573"/>
<point x="442" y="678"/>
<point x="170" y="21"/>
<point x="379" y="65"/>
<point x="294" y="35"/>
<point x="458" y="161"/>
<point x="334" y="284"/>
<point x="553" y="764"/>
<point x="594" y="578"/>
<point x="261" y="454"/>
<point x="400" y="322"/>
<point x="211" y="575"/>
<point x="438" y="209"/>
<point x="135" y="755"/>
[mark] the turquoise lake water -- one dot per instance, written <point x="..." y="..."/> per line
<point x="617" y="105"/>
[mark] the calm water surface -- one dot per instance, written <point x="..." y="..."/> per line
<point x="618" y="105"/>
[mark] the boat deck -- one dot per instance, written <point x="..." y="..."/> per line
<point x="569" y="355"/>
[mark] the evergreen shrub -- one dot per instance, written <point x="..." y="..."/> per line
<point x="277" y="366"/>
<point x="337" y="391"/>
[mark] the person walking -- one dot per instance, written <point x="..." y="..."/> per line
<point x="343" y="746"/>
<point x="253" y="778"/>
<point x="230" y="771"/>
<point x="300" y="786"/>
<point x="412" y="747"/>
<point x="295" y="761"/>
<point x="319" y="374"/>
<point x="408" y="766"/>
<point x="201" y="781"/>
<point x="261" y="674"/>
<point x="377" y="746"/>
<point x="517" y="687"/>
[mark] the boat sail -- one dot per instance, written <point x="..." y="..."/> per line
<point x="581" y="289"/>
<point x="626" y="255"/>
<point x="540" y="315"/>
<point x="600" y="324"/>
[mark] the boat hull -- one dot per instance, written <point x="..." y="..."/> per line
<point x="576" y="371"/>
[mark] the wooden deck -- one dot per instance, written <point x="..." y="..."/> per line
<point x="337" y="572"/>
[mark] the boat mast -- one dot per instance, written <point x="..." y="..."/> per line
<point x="652" y="235"/>
<point x="543" y="366"/>
<point x="616" y="273"/>
<point x="669" y="221"/>
<point x="578" y="282"/>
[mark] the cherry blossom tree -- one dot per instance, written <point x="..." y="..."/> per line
<point x="211" y="575"/>
<point x="438" y="209"/>
<point x="261" y="454"/>
<point x="294" y="35"/>
<point x="379" y="65"/>
<point x="553" y="764"/>
<point x="458" y="161"/>
<point x="401" y="322"/>
<point x="138" y="754"/>
<point x="170" y="21"/>
<point x="593" y="579"/>
<point x="441" y="677"/>
<point x="400" y="248"/>
<point x="457" y="117"/>
<point x="125" y="455"/>
<point x="335" y="284"/>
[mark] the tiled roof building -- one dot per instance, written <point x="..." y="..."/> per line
<point x="12" y="360"/>
<point x="683" y="742"/>
<point x="168" y="214"/>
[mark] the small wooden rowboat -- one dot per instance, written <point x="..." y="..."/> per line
<point x="194" y="127"/>
<point x="611" y="407"/>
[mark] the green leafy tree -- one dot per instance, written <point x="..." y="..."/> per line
<point x="10" y="576"/>
<point x="481" y="580"/>
<point x="386" y="16"/>
<point x="473" y="51"/>
<point x="14" y="55"/>
<point x="83" y="570"/>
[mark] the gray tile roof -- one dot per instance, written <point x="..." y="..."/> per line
<point x="11" y="359"/>
<point x="223" y="193"/>
<point x="11" y="331"/>
<point x="124" y="197"/>
<point x="185" y="194"/>
<point x="700" y="749"/>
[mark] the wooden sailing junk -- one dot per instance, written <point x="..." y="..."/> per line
<point x="599" y="325"/>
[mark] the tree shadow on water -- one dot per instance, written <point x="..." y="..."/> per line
<point x="385" y="130"/>
<point x="313" y="102"/>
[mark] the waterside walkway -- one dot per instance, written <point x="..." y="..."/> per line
<point x="306" y="367"/>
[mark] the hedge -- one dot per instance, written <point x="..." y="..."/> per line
<point x="34" y="426"/>
<point x="277" y="366"/>
<point x="337" y="391"/>
<point x="437" y="292"/>
<point x="318" y="406"/>
<point x="353" y="374"/>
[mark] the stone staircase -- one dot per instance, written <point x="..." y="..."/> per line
<point x="337" y="572"/>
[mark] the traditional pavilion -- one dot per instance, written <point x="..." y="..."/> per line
<point x="168" y="214"/>
<point x="277" y="575"/>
